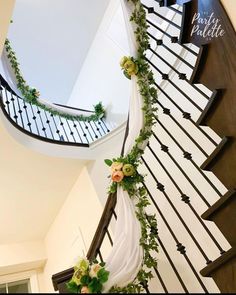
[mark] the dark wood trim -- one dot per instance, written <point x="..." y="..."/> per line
<point x="210" y="107"/>
<point x="219" y="262"/>
<point x="221" y="203"/>
<point x="60" y="279"/>
<point x="186" y="18"/>
<point x="212" y="159"/>
<point x="200" y="64"/>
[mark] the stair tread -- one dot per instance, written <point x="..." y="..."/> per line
<point x="219" y="204"/>
<point x="223" y="259"/>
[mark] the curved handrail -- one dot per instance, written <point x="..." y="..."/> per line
<point x="44" y="125"/>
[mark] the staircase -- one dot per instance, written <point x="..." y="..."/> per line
<point x="169" y="177"/>
<point x="190" y="167"/>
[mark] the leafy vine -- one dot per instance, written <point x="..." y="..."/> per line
<point x="124" y="170"/>
<point x="31" y="95"/>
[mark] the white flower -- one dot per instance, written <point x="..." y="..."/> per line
<point x="94" y="270"/>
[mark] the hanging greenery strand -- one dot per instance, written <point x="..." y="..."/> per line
<point x="31" y="95"/>
<point x="124" y="170"/>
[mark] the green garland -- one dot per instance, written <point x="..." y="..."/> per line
<point x="124" y="170"/>
<point x="133" y="184"/>
<point x="31" y="95"/>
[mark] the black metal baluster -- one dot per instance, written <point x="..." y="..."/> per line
<point x="62" y="125"/>
<point x="180" y="247"/>
<point x="162" y="245"/>
<point x="100" y="124"/>
<point x="71" y="132"/>
<point x="27" y="116"/>
<point x="162" y="189"/>
<point x="48" y="122"/>
<point x="7" y="103"/>
<point x="14" y="108"/>
<point x="151" y="10"/>
<point x="56" y="126"/>
<point x="100" y="255"/>
<point x="97" y="128"/>
<point x="95" y="134"/>
<point x="20" y="112"/>
<point x="109" y="236"/>
<point x="40" y="117"/>
<point x="104" y="124"/>
<point x="166" y="77"/>
<point x="186" y="115"/>
<point x="167" y="111"/>
<point x="165" y="149"/>
<point x="87" y="128"/>
<point x="34" y="118"/>
<point x="188" y="156"/>
<point x="174" y="39"/>
<point x="159" y="42"/>
<point x="184" y="197"/>
<point x="77" y="131"/>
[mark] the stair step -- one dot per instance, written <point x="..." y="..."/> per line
<point x="200" y="64"/>
<point x="210" y="107"/>
<point x="223" y="213"/>
<point x="223" y="271"/>
<point x="213" y="158"/>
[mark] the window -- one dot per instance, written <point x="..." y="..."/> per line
<point x="22" y="286"/>
<point x="19" y="283"/>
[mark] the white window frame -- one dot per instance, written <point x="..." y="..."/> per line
<point x="31" y="275"/>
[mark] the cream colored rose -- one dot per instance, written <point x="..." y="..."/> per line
<point x="116" y="166"/>
<point x="117" y="176"/>
<point x="85" y="290"/>
<point x="94" y="270"/>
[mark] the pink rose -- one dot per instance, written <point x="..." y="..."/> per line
<point x="117" y="176"/>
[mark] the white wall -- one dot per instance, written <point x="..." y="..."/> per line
<point x="100" y="78"/>
<point x="72" y="231"/>
<point x="6" y="10"/>
<point x="230" y="7"/>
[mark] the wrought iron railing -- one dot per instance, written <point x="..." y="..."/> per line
<point x="179" y="190"/>
<point x="46" y="126"/>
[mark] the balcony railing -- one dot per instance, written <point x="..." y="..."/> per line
<point x="47" y="126"/>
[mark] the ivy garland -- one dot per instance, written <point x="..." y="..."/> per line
<point x="133" y="183"/>
<point x="124" y="171"/>
<point x="31" y="95"/>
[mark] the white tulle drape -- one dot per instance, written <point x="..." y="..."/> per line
<point x="125" y="259"/>
<point x="10" y="77"/>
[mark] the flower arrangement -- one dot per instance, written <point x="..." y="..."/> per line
<point x="129" y="66"/>
<point x="124" y="173"/>
<point x="88" y="277"/>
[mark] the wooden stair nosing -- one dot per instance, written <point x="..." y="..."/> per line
<point x="216" y="95"/>
<point x="62" y="277"/>
<point x="186" y="19"/>
<point x="210" y="161"/>
<point x="220" y="261"/>
<point x="199" y="65"/>
<point x="221" y="203"/>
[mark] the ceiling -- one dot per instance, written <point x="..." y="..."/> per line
<point x="33" y="188"/>
<point x="51" y="39"/>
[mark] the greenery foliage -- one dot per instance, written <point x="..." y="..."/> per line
<point x="31" y="95"/>
<point x="134" y="184"/>
<point x="124" y="170"/>
<point x="88" y="277"/>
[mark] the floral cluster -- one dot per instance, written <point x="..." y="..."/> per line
<point x="124" y="173"/>
<point x="129" y="66"/>
<point x="88" y="278"/>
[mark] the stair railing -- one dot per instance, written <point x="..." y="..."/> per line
<point x="179" y="190"/>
